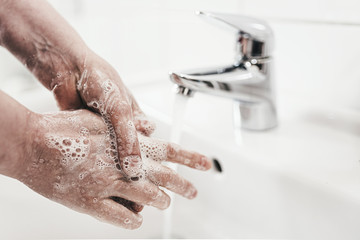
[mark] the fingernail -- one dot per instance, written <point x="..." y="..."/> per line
<point x="205" y="161"/>
<point x="132" y="166"/>
<point x="133" y="161"/>
<point x="162" y="200"/>
<point x="191" y="193"/>
<point x="166" y="203"/>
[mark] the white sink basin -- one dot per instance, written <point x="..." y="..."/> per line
<point x="299" y="180"/>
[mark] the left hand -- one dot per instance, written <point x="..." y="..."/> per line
<point x="51" y="49"/>
<point x="100" y="89"/>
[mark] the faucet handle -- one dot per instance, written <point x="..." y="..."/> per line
<point x="255" y="36"/>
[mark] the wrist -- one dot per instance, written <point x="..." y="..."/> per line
<point x="16" y="146"/>
<point x="42" y="40"/>
<point x="32" y="149"/>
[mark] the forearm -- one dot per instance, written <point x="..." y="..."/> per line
<point x="14" y="135"/>
<point x="42" y="40"/>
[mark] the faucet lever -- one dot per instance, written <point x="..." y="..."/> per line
<point x="257" y="28"/>
<point x="255" y="37"/>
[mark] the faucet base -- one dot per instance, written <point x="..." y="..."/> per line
<point x="257" y="116"/>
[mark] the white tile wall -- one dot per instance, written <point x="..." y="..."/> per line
<point x="335" y="11"/>
<point x="317" y="41"/>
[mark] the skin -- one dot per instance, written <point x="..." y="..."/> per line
<point x="107" y="166"/>
<point x="69" y="158"/>
<point x="50" y="48"/>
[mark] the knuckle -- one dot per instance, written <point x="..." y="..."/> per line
<point x="171" y="150"/>
<point x="156" y="194"/>
<point x="188" y="154"/>
<point x="125" y="110"/>
<point x="163" y="179"/>
<point x="145" y="126"/>
<point x="133" y="222"/>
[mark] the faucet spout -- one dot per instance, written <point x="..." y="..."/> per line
<point x="237" y="82"/>
<point x="248" y="85"/>
<point x="248" y="81"/>
<point x="184" y="91"/>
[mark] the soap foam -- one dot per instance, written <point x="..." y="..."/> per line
<point x="155" y="150"/>
<point x="73" y="150"/>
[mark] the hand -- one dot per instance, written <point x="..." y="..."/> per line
<point x="100" y="88"/>
<point x="48" y="46"/>
<point x="74" y="162"/>
<point x="95" y="174"/>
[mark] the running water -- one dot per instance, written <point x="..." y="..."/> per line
<point x="179" y="109"/>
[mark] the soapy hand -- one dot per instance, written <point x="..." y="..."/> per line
<point x="51" y="49"/>
<point x="100" y="89"/>
<point x="74" y="162"/>
<point x="92" y="164"/>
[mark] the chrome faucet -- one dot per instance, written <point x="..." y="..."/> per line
<point x="247" y="81"/>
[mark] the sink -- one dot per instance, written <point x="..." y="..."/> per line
<point x="298" y="180"/>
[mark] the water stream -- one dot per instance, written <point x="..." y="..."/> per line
<point x="178" y="113"/>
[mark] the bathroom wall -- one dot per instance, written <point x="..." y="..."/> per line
<point x="316" y="42"/>
<point x="316" y="58"/>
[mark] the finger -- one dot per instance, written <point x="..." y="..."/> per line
<point x="118" y="111"/>
<point x="141" y="192"/>
<point x="109" y="211"/>
<point x="111" y="101"/>
<point x="127" y="143"/>
<point x="142" y="123"/>
<point x="189" y="158"/>
<point x="160" y="150"/>
<point x="168" y="178"/>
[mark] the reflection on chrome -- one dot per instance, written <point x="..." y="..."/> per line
<point x="247" y="81"/>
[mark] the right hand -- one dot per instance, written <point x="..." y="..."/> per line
<point x="73" y="162"/>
